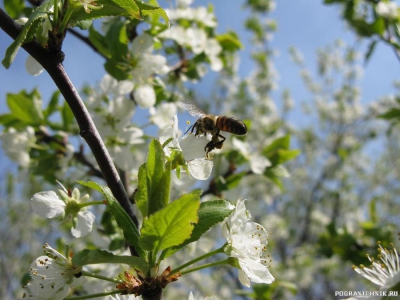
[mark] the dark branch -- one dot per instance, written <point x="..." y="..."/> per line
<point x="52" y="63"/>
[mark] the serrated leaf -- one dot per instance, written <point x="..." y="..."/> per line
<point x="131" y="232"/>
<point x="39" y="13"/>
<point x="106" y="8"/>
<point x="26" y="107"/>
<point x="129" y="6"/>
<point x="90" y="257"/>
<point x="210" y="213"/>
<point x="158" y="178"/>
<point x="91" y="184"/>
<point x="172" y="225"/>
<point x="151" y="10"/>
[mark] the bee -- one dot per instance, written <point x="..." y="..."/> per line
<point x="210" y="124"/>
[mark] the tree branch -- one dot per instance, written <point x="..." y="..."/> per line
<point x="52" y="63"/>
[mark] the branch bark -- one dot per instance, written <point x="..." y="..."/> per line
<point x="52" y="63"/>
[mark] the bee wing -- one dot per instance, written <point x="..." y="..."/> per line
<point x="192" y="109"/>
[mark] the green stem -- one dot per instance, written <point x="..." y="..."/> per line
<point x="85" y="273"/>
<point x="55" y="12"/>
<point x="219" y="250"/>
<point x="91" y="203"/>
<point x="209" y="265"/>
<point x="65" y="19"/>
<point x="94" y="295"/>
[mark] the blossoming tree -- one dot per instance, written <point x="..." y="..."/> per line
<point x="149" y="212"/>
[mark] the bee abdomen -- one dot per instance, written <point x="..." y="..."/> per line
<point x="231" y="125"/>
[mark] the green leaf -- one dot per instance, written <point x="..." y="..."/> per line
<point x="131" y="232"/>
<point x="141" y="196"/>
<point x="27" y="31"/>
<point x="99" y="41"/>
<point x="129" y="6"/>
<point x="279" y="143"/>
<point x="106" y="8"/>
<point x="278" y="151"/>
<point x="116" y="69"/>
<point x="67" y="117"/>
<point x="84" y="24"/>
<point x="229" y="41"/>
<point x="172" y="225"/>
<point x="273" y="174"/>
<point x="158" y="178"/>
<point x="53" y="104"/>
<point x="117" y="39"/>
<point x="91" y="184"/>
<point x="26" y="107"/>
<point x="370" y="50"/>
<point x="379" y="26"/>
<point x="9" y="120"/>
<point x="393" y="113"/>
<point x="210" y="213"/>
<point x="14" y="8"/>
<point x="90" y="257"/>
<point x="151" y="10"/>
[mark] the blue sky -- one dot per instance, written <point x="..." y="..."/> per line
<point x="306" y="24"/>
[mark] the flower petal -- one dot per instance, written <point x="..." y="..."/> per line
<point x="243" y="278"/>
<point x="200" y="168"/>
<point x="47" y="204"/>
<point x="145" y="96"/>
<point x="84" y="224"/>
<point x="193" y="146"/>
<point x="33" y="67"/>
<point x="256" y="271"/>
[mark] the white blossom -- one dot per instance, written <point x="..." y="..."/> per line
<point x="16" y="144"/>
<point x="162" y="115"/>
<point x="247" y="243"/>
<point x="386" y="273"/>
<point x="51" y="276"/>
<point x="49" y="205"/>
<point x="199" y="14"/>
<point x="144" y="62"/>
<point x="258" y="163"/>
<point x="112" y="113"/>
<point x="387" y="9"/>
<point x="144" y="96"/>
<point x="191" y="297"/>
<point x="192" y="148"/>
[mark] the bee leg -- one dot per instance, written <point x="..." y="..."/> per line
<point x="209" y="147"/>
<point x="191" y="127"/>
<point x="219" y="144"/>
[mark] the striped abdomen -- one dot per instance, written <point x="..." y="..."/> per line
<point x="231" y="125"/>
